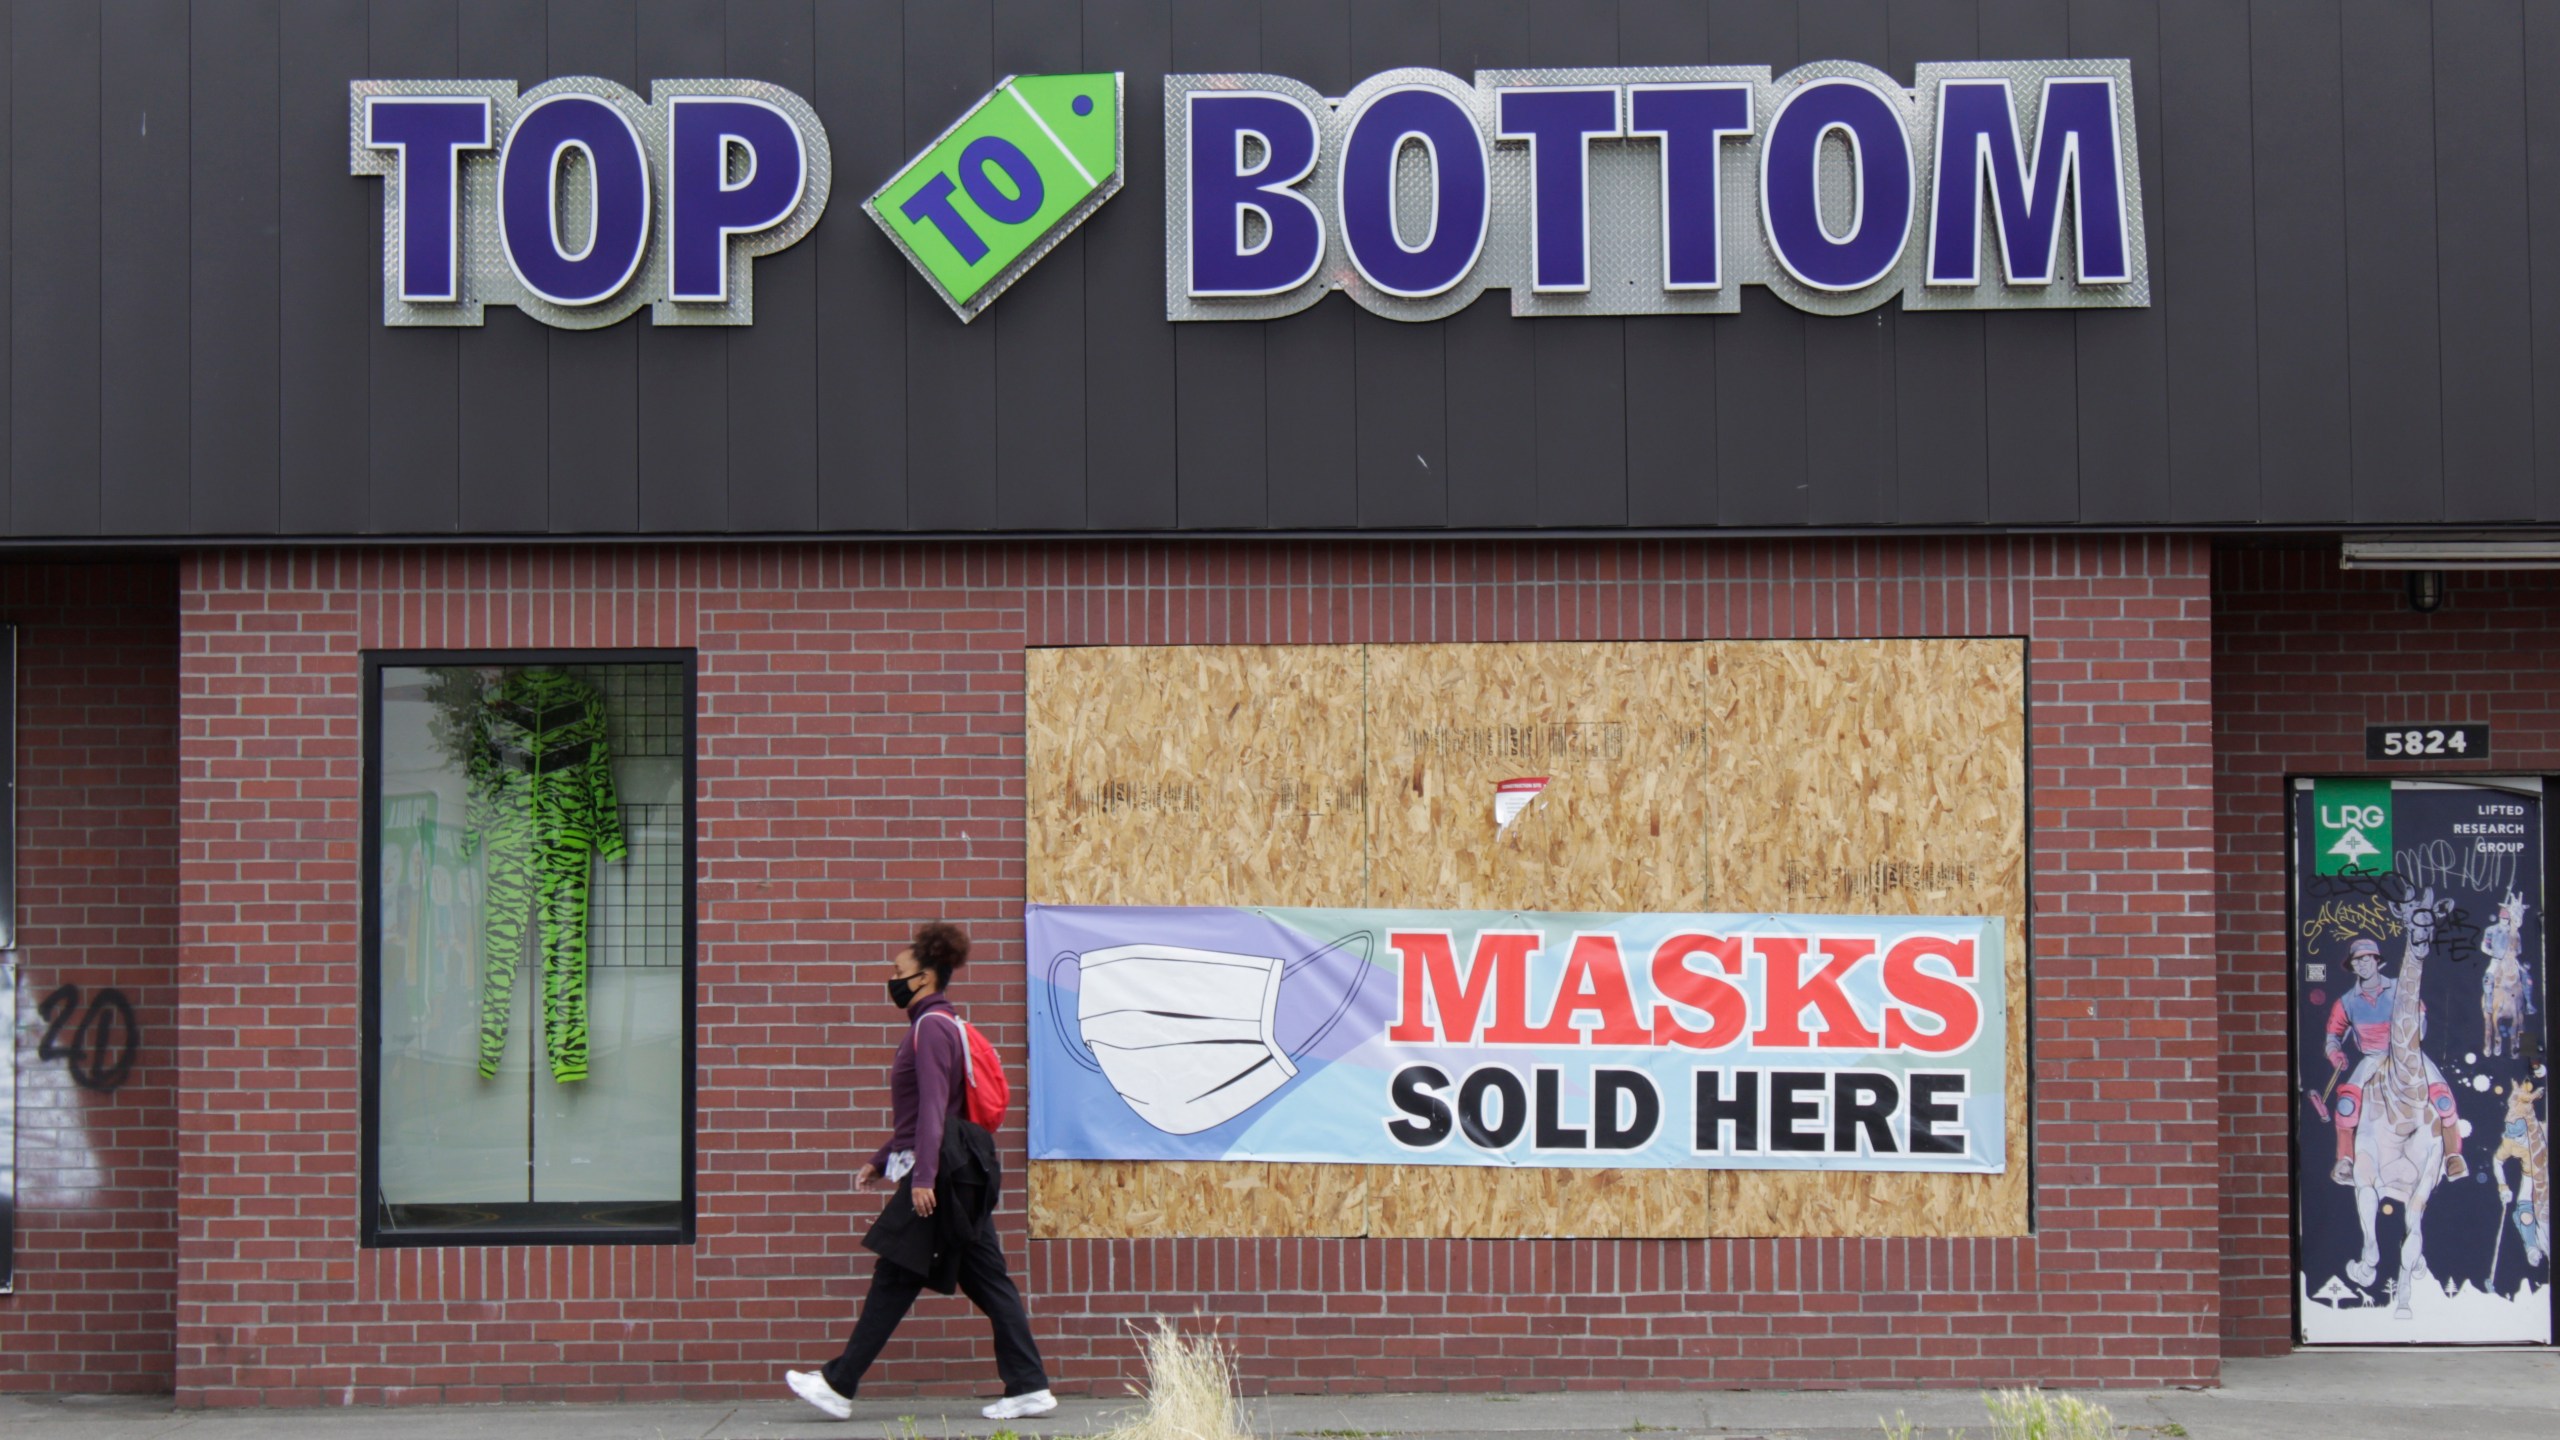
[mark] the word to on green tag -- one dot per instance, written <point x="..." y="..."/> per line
<point x="995" y="192"/>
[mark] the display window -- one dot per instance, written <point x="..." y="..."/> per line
<point x="529" y="928"/>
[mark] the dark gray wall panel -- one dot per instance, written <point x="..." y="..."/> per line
<point x="862" y="279"/>
<point x="1493" y="398"/>
<point x="1761" y="396"/>
<point x="594" y="393"/>
<point x="1582" y="361"/>
<point x="2480" y="222"/>
<point x="1850" y="360"/>
<point x="1671" y="359"/>
<point x="1040" y="337"/>
<point x="233" y="203"/>
<point x="1401" y="370"/>
<point x="142" y="173"/>
<point x="1129" y="379"/>
<point x="2030" y="361"/>
<point x="2211" y="310"/>
<point x="951" y="368"/>
<point x="1220" y="374"/>
<point x="54" y="351"/>
<point x="2542" y="139"/>
<point x="504" y="366"/>
<point x="1940" y="436"/>
<point x="2393" y="372"/>
<point x="1311" y="473"/>
<point x="2298" y="176"/>
<point x="416" y="390"/>
<point x="2123" y="361"/>
<point x="330" y="322"/>
<point x="683" y="420"/>
<point x="2353" y="318"/>
<point x="773" y="393"/>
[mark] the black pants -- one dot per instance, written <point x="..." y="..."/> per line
<point x="983" y="1280"/>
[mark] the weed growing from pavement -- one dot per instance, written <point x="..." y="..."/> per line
<point x="2034" y="1415"/>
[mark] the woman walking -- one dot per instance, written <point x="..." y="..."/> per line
<point x="938" y="1228"/>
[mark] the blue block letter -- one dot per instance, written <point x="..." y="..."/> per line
<point x="1692" y="122"/>
<point x="1880" y="162"/>
<point x="529" y="199"/>
<point x="1461" y="192"/>
<point x="1559" y="122"/>
<point x="2075" y="146"/>
<point x="704" y="206"/>
<point x="430" y="132"/>
<point x="1228" y="185"/>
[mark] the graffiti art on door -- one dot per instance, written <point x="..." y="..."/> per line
<point x="2421" y="1185"/>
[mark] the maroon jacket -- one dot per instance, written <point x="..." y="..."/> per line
<point x="928" y="1087"/>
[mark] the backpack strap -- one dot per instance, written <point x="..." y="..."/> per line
<point x="967" y="1067"/>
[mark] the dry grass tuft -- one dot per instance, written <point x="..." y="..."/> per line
<point x="1190" y="1390"/>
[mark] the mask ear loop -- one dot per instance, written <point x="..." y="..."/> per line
<point x="1359" y="976"/>
<point x="1068" y="1040"/>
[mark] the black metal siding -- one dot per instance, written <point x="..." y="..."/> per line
<point x="2339" y="206"/>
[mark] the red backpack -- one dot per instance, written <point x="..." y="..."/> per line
<point x="988" y="1091"/>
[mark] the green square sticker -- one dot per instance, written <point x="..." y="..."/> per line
<point x="998" y="190"/>
<point x="2351" y="826"/>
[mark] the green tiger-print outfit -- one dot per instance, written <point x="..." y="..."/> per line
<point x="542" y="807"/>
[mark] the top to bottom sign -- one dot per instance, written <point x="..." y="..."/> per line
<point x="1651" y="190"/>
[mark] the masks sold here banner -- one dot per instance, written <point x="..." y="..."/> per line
<point x="1456" y="1037"/>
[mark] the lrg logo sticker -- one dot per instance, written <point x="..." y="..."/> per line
<point x="578" y="202"/>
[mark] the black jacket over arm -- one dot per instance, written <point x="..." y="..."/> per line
<point x="964" y="1199"/>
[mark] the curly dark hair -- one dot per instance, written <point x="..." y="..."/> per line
<point x="941" y="947"/>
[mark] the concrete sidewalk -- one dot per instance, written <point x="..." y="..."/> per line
<point x="2468" y="1395"/>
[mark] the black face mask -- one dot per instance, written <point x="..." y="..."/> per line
<point x="903" y="989"/>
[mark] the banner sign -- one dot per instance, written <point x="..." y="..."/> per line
<point x="1435" y="1037"/>
<point x="1654" y="190"/>
<point x="578" y="202"/>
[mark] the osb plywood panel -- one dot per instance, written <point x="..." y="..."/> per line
<point x="1195" y="775"/>
<point x="1613" y="728"/>
<point x="1114" y="1199"/>
<point x="1901" y="763"/>
<point x="1466" y="1202"/>
<point x="1207" y="775"/>
<point x="1904" y="762"/>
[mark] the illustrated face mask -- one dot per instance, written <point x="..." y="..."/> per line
<point x="1184" y="1035"/>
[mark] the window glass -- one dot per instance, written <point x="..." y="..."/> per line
<point x="531" y="950"/>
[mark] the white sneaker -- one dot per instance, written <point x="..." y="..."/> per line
<point x="811" y="1386"/>
<point x="1018" y="1407"/>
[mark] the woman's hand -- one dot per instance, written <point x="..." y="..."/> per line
<point x="863" y="1177"/>
<point x="923" y="1195"/>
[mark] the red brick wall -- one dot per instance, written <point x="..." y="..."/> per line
<point x="861" y="766"/>
<point x="94" y="1308"/>
<point x="2305" y="656"/>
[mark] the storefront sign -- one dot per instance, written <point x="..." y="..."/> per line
<point x="1636" y="191"/>
<point x="2352" y="826"/>
<point x="578" y="202"/>
<point x="1776" y="1042"/>
<point x="1000" y="188"/>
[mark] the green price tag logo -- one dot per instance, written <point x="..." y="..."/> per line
<point x="995" y="192"/>
<point x="2351" y="826"/>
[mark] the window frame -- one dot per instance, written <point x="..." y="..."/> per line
<point x="372" y="1235"/>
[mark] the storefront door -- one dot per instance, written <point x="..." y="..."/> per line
<point x="2421" y="1180"/>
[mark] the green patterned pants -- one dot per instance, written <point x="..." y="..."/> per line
<point x="530" y="881"/>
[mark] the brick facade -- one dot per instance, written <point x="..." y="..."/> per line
<point x="97" y="876"/>
<point x="860" y="764"/>
<point x="2305" y="656"/>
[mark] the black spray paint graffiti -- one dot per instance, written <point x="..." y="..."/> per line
<point x="103" y="1044"/>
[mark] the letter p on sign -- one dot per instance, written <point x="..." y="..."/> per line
<point x="995" y="192"/>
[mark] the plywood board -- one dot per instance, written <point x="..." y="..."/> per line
<point x="1614" y="729"/>
<point x="1903" y="765"/>
<point x="1195" y="775"/>
<point x="1876" y="777"/>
